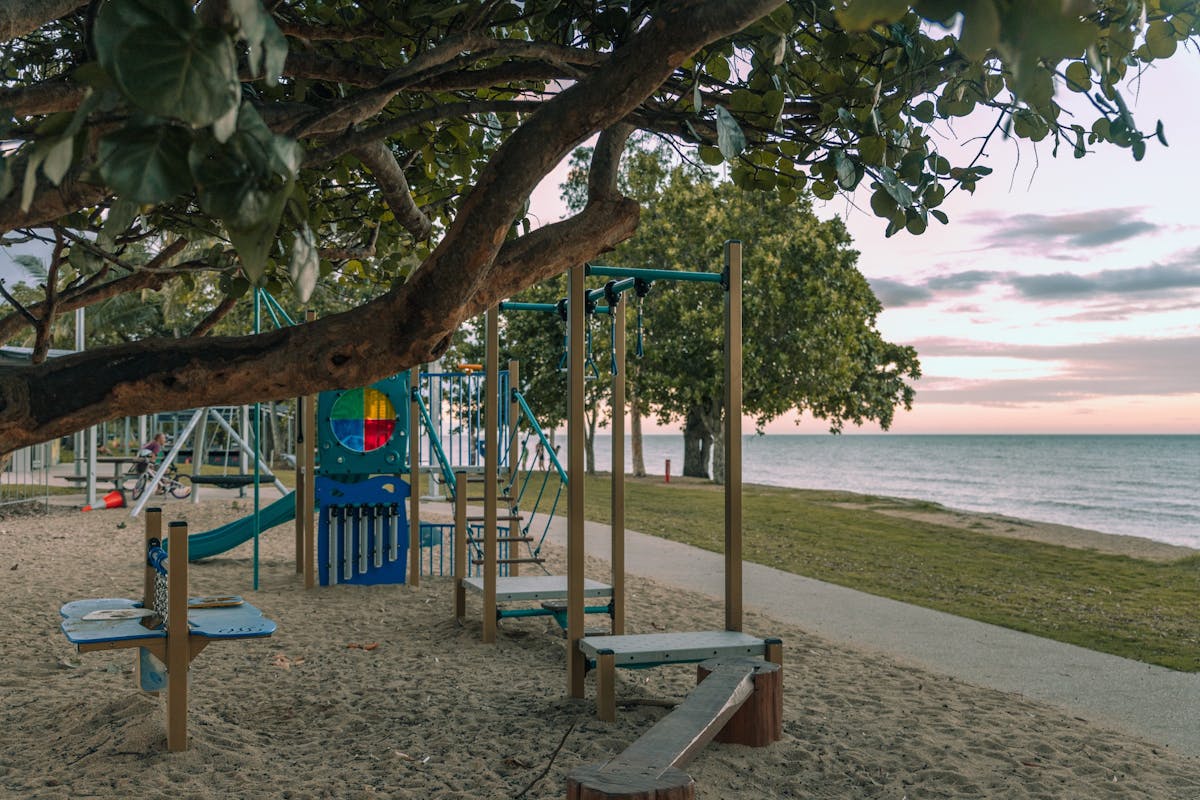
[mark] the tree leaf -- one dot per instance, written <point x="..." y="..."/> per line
<point x="730" y="138"/>
<point x="859" y="15"/>
<point x="181" y="74"/>
<point x="266" y="44"/>
<point x="121" y="215"/>
<point x="305" y="265"/>
<point x="58" y="159"/>
<point x="1079" y="77"/>
<point x="29" y="188"/>
<point x="146" y="163"/>
<point x="980" y="28"/>
<point x="118" y="17"/>
<point x="847" y="174"/>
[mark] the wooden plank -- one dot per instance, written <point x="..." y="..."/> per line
<point x="491" y="466"/>
<point x="414" y="475"/>
<point x="576" y="424"/>
<point x="677" y="737"/>
<point x="514" y="448"/>
<point x="733" y="436"/>
<point x="617" y="507"/>
<point x="460" y="545"/>
<point x="178" y="652"/>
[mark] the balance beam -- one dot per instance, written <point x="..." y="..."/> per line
<point x="651" y="767"/>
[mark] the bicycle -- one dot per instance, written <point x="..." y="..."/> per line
<point x="168" y="484"/>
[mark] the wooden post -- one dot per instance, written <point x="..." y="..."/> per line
<point x="178" y="650"/>
<point x="491" y="471"/>
<point x="606" y="686"/>
<point x="514" y="468"/>
<point x="618" y="471"/>
<point x="576" y="317"/>
<point x="759" y="722"/>
<point x="414" y="475"/>
<point x="733" y="436"/>
<point x="460" y="545"/>
<point x="301" y="493"/>
<point x="306" y="481"/>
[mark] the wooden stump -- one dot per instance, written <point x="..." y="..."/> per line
<point x="594" y="782"/>
<point x="759" y="721"/>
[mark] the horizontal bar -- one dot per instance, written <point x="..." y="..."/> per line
<point x="529" y="306"/>
<point x="653" y="274"/>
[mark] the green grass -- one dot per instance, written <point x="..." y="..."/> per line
<point x="1137" y="609"/>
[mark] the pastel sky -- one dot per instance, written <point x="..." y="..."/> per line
<point x="1064" y="295"/>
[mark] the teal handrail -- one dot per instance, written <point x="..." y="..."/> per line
<point x="546" y="448"/>
<point x="447" y="472"/>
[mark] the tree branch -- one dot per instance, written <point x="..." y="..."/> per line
<point x="413" y="322"/>
<point x="379" y="159"/>
<point x="205" y="325"/>
<point x="84" y="296"/>
<point x="49" y="203"/>
<point x="19" y="17"/>
<point x="42" y="98"/>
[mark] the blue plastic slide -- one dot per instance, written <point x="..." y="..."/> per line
<point x="230" y="535"/>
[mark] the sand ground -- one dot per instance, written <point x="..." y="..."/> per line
<point x="430" y="712"/>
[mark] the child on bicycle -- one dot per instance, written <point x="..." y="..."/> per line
<point x="151" y="450"/>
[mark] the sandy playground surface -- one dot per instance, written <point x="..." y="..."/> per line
<point x="430" y="712"/>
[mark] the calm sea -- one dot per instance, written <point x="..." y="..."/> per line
<point x="1146" y="486"/>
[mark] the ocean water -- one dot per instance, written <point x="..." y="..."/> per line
<point x="1146" y="486"/>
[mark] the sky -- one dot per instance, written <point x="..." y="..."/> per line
<point x="1064" y="295"/>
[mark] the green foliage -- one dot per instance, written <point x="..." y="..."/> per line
<point x="810" y="340"/>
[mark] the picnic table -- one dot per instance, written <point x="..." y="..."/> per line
<point x="119" y="475"/>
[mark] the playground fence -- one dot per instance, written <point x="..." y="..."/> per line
<point x="26" y="476"/>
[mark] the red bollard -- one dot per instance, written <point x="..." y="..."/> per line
<point x="667" y="473"/>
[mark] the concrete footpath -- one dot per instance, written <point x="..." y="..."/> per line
<point x="1157" y="704"/>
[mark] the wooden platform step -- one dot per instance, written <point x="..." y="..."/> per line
<point x="535" y="560"/>
<point x="499" y="518"/>
<point x="473" y="540"/>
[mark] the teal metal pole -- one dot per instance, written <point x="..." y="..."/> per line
<point x="653" y="274"/>
<point x="547" y="307"/>
<point x="255" y="427"/>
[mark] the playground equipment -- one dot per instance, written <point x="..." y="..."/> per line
<point x="497" y="552"/>
<point x="200" y="419"/>
<point x="168" y="628"/>
<point x="362" y="440"/>
<point x="608" y="653"/>
<point x="737" y="701"/>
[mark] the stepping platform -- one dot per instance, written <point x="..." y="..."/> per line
<point x="632" y="651"/>
<point x="537" y="587"/>
<point x="241" y="621"/>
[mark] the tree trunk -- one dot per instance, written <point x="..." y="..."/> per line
<point x="697" y="444"/>
<point x="589" y="440"/>
<point x="635" y="434"/>
<point x="716" y="421"/>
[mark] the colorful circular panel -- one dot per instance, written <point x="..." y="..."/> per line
<point x="363" y="420"/>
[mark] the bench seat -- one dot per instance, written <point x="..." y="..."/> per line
<point x="634" y="651"/>
<point x="652" y="649"/>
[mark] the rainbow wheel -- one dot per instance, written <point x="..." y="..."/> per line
<point x="363" y="420"/>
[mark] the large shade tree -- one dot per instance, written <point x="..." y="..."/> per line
<point x="290" y="140"/>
